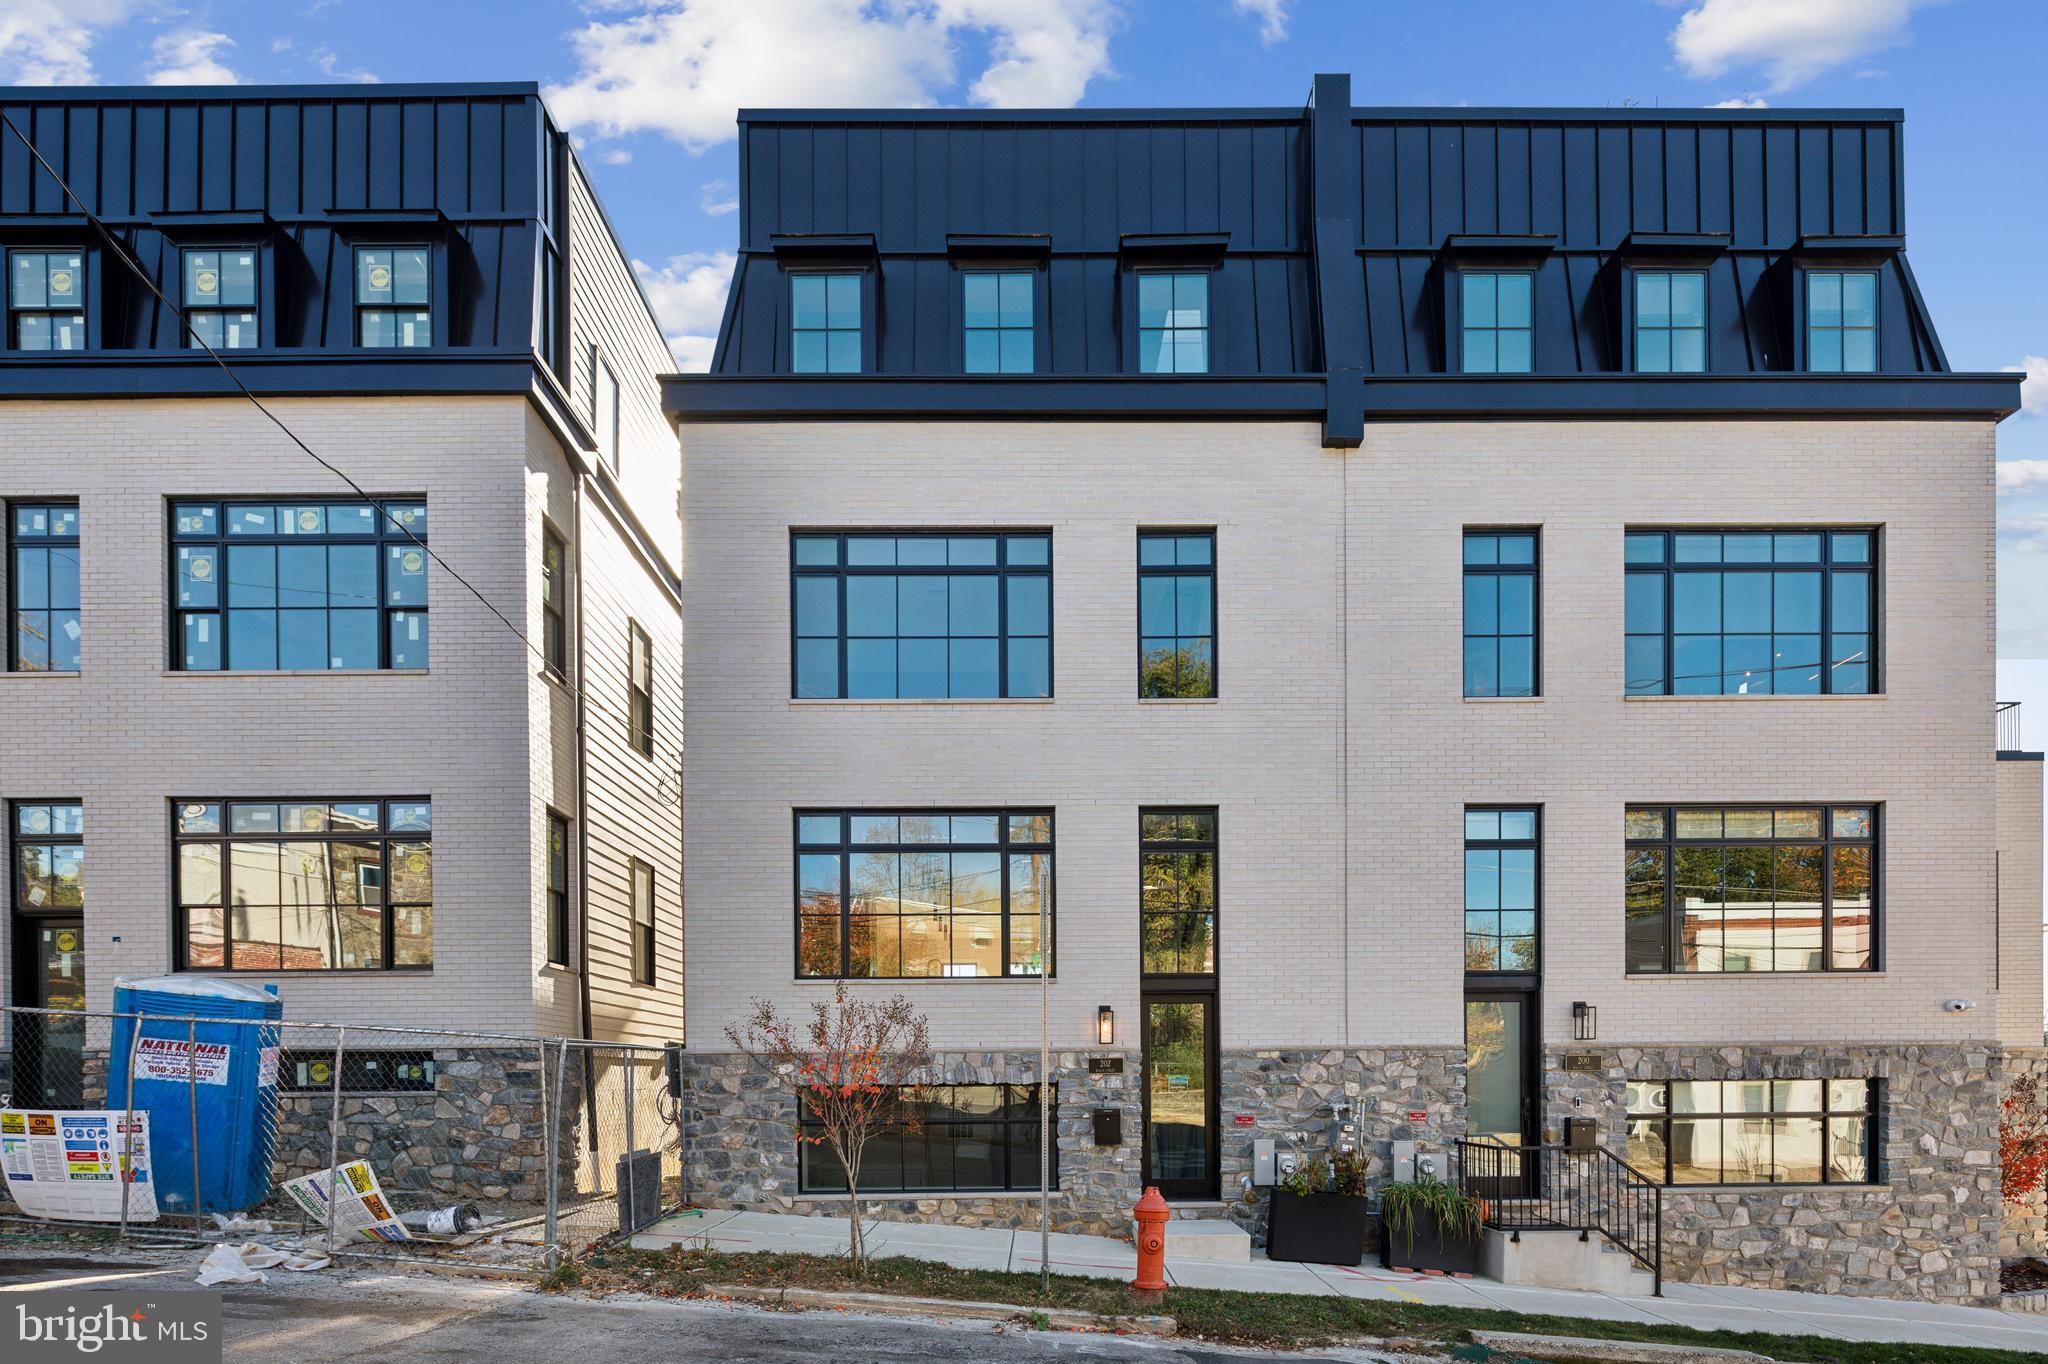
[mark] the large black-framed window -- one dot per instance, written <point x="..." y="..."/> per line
<point x="46" y="299"/>
<point x="1501" y="604"/>
<point x="1496" y="321"/>
<point x="639" y="690"/>
<point x="1751" y="612"/>
<point x="999" y="335"/>
<point x="928" y="614"/>
<point x="1754" y="1131"/>
<point x="43" y="587"/>
<point x="640" y="886"/>
<point x="1173" y="322"/>
<point x="918" y="894"/>
<point x="394" y="297"/>
<point x="1752" y="888"/>
<point x="1671" y="321"/>
<point x="1176" y="613"/>
<point x="554" y="603"/>
<point x="1503" y="889"/>
<point x="825" y="322"/>
<point x="558" y="889"/>
<point x="220" y="298"/>
<point x="48" y="839"/>
<point x="1841" y="321"/>
<point x="299" y="584"/>
<point x="303" y="885"/>
<point x="1177" y="892"/>
<point x="968" y="1139"/>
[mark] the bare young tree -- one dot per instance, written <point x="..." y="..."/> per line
<point x="857" y="1067"/>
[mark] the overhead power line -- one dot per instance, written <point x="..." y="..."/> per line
<point x="121" y="253"/>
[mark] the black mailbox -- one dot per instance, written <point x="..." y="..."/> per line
<point x="1581" y="1134"/>
<point x="1109" y="1127"/>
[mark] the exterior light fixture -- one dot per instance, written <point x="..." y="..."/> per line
<point x="1105" y="1025"/>
<point x="1585" y="1021"/>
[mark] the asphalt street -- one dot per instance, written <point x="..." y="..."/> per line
<point x="428" y="1319"/>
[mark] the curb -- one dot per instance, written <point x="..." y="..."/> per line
<point x="888" y="1304"/>
<point x="1614" y="1351"/>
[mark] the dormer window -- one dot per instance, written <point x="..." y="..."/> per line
<point x="1498" y="334"/>
<point x="220" y="299"/>
<point x="1671" y="321"/>
<point x="46" y="300"/>
<point x="999" y="335"/>
<point x="824" y="335"/>
<point x="394" y="297"/>
<point x="1173" y="322"/>
<point x="1841" y="321"/>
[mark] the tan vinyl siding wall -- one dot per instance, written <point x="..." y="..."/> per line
<point x="606" y="307"/>
<point x="635" y="802"/>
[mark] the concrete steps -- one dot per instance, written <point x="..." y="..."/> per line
<point x="1215" y="1240"/>
<point x="1559" y="1259"/>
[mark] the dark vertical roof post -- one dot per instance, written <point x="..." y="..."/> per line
<point x="1340" y="285"/>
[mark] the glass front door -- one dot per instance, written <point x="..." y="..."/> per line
<point x="50" y="1047"/>
<point x="1498" y="1085"/>
<point x="1180" y="1094"/>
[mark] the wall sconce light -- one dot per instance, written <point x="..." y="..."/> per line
<point x="1105" y="1025"/>
<point x="1585" y="1021"/>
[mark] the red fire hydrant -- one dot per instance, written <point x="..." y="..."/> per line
<point x="1151" y="1212"/>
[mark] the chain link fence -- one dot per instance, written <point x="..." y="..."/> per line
<point x="383" y="1141"/>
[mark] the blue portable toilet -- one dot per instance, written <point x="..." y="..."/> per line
<point x="229" y="1071"/>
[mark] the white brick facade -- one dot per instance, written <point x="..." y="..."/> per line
<point x="1340" y="882"/>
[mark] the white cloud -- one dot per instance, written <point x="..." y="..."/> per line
<point x="190" y="56"/>
<point x="1742" y="102"/>
<point x="2017" y="476"/>
<point x="2028" y="531"/>
<point x="715" y="198"/>
<point x="49" y="42"/>
<point x="1790" y="40"/>
<point x="688" y="294"/>
<point x="1271" y="14"/>
<point x="2034" y="389"/>
<point x="616" y="156"/>
<point x="331" y="67"/>
<point x="683" y="67"/>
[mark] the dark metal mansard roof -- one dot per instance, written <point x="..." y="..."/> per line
<point x="474" y="171"/>
<point x="1329" y="233"/>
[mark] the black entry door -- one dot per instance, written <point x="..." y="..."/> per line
<point x="1180" y="1094"/>
<point x="1500" y="1087"/>
<point x="49" y="1048"/>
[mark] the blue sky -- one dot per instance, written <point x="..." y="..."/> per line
<point x="649" y="88"/>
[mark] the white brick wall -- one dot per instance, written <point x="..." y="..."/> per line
<point x="126" y="735"/>
<point x="1337" y="928"/>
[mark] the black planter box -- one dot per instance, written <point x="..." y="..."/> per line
<point x="1318" y="1228"/>
<point x="1431" y="1248"/>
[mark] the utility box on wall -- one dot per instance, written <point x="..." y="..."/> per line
<point x="1109" y="1127"/>
<point x="1581" y="1134"/>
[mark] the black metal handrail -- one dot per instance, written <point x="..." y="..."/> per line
<point x="1585" y="1189"/>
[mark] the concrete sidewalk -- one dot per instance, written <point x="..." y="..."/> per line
<point x="1704" y="1307"/>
